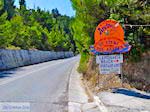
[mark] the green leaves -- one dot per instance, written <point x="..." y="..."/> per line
<point x="89" y="13"/>
<point x="9" y="8"/>
<point x="34" y="29"/>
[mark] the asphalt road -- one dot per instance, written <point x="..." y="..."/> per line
<point x="44" y="86"/>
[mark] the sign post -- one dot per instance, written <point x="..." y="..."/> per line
<point x="109" y="46"/>
<point x="121" y="76"/>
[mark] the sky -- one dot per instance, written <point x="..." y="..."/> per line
<point x="64" y="6"/>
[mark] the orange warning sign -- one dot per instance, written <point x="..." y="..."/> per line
<point x="109" y="37"/>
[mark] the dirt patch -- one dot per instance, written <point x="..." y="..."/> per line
<point x="99" y="82"/>
<point x="136" y="75"/>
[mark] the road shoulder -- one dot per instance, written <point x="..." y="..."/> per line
<point x="79" y="98"/>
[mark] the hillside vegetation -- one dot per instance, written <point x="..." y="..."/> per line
<point x="89" y="13"/>
<point x="135" y="13"/>
<point x="22" y="28"/>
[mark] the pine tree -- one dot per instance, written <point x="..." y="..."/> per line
<point x="22" y="4"/>
<point x="55" y="13"/>
<point x="10" y="8"/>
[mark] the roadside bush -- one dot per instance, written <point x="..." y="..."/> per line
<point x="83" y="62"/>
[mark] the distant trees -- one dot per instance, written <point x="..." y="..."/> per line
<point x="34" y="29"/>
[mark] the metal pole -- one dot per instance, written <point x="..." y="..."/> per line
<point x="98" y="70"/>
<point x="136" y="25"/>
<point x="98" y="81"/>
<point x="121" y="76"/>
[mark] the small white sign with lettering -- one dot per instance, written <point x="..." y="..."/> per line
<point x="110" y="64"/>
<point x="116" y="58"/>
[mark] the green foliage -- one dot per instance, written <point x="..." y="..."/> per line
<point x="1" y="5"/>
<point x="89" y="13"/>
<point x="83" y="62"/>
<point x="34" y="29"/>
<point x="10" y="8"/>
<point x="22" y="4"/>
<point x="5" y="38"/>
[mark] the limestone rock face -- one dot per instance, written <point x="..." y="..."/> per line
<point x="138" y="73"/>
<point x="16" y="58"/>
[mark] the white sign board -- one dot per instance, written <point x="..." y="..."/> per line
<point x="110" y="68"/>
<point x="110" y="64"/>
<point x="116" y="58"/>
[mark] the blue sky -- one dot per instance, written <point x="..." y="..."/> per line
<point x="64" y="6"/>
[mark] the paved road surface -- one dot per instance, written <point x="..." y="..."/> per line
<point x="44" y="85"/>
<point x="126" y="101"/>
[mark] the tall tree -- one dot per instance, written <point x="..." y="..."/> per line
<point x="10" y="8"/>
<point x="88" y="14"/>
<point x="55" y="13"/>
<point x="22" y="4"/>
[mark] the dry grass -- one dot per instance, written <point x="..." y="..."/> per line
<point x="136" y="75"/>
<point x="98" y="82"/>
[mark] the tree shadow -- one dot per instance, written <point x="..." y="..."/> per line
<point x="131" y="93"/>
<point x="9" y="73"/>
<point x="5" y="74"/>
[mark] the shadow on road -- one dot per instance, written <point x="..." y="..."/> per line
<point x="5" y="74"/>
<point x="9" y="73"/>
<point x="131" y="93"/>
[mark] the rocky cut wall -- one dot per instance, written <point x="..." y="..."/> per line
<point x="138" y="73"/>
<point x="17" y="58"/>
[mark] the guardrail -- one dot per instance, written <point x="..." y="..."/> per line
<point x="17" y="58"/>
